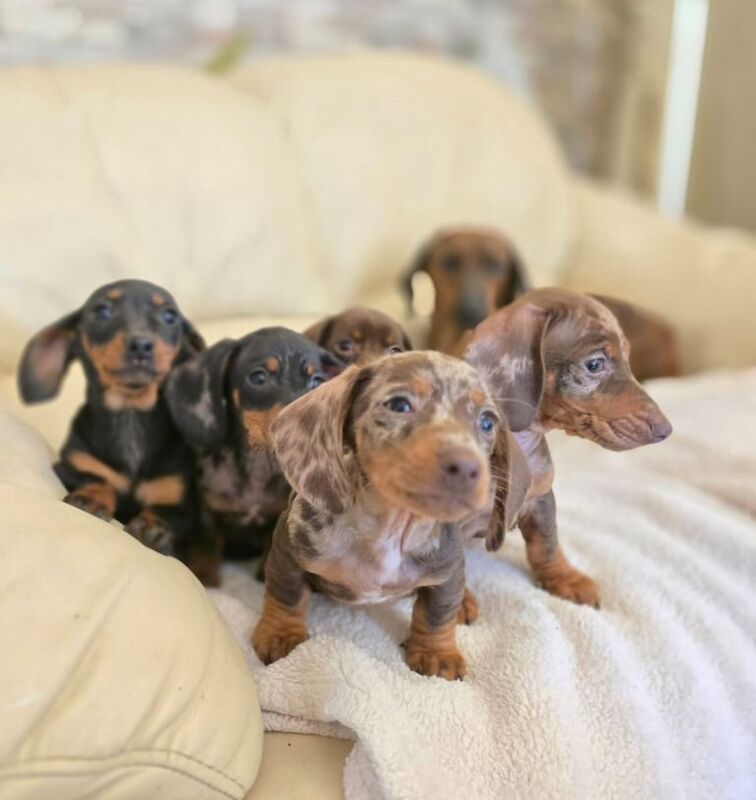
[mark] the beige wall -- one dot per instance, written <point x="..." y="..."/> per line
<point x="722" y="186"/>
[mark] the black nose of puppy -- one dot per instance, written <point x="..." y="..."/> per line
<point x="140" y="349"/>
<point x="460" y="471"/>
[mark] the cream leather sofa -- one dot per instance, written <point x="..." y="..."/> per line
<point x="290" y="189"/>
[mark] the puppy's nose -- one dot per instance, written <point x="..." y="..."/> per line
<point x="140" y="348"/>
<point x="660" y="428"/>
<point x="460" y="470"/>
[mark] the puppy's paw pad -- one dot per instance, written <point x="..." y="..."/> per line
<point x="152" y="532"/>
<point x="575" y="587"/>
<point x="447" y="664"/>
<point x="271" y="645"/>
<point x="85" y="502"/>
<point x="468" y="611"/>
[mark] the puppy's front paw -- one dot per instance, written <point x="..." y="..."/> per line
<point x="573" y="586"/>
<point x="468" y="611"/>
<point x="153" y="532"/>
<point x="448" y="664"/>
<point x="271" y="643"/>
<point x="91" y="502"/>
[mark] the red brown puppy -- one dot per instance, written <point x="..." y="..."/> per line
<point x="359" y="335"/>
<point x="475" y="271"/>
<point x="559" y="359"/>
<point x="386" y="462"/>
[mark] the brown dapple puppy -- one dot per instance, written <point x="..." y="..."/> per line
<point x="359" y="335"/>
<point x="475" y="271"/>
<point x="559" y="359"/>
<point x="386" y="462"/>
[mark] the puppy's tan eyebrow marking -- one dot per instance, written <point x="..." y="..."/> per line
<point x="114" y="294"/>
<point x="357" y="335"/>
<point x="272" y="364"/>
<point x="477" y="397"/>
<point x="84" y="462"/>
<point x="309" y="370"/>
<point x="157" y="300"/>
<point x="421" y="386"/>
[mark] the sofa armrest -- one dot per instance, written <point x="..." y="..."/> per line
<point x="702" y="280"/>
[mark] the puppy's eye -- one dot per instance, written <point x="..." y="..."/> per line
<point x="487" y="422"/>
<point x="594" y="365"/>
<point x="345" y="346"/>
<point x="169" y="316"/>
<point x="492" y="267"/>
<point x="451" y="263"/>
<point x="257" y="377"/>
<point x="103" y="311"/>
<point x="395" y="348"/>
<point x="399" y="405"/>
<point x="315" y="381"/>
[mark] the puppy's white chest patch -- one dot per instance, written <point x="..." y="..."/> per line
<point x="373" y="566"/>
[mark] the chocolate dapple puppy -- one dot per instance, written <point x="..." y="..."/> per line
<point x="123" y="457"/>
<point x="386" y="461"/>
<point x="360" y="335"/>
<point x="224" y="402"/>
<point x="559" y="359"/>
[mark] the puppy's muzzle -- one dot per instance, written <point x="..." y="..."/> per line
<point x="471" y="308"/>
<point x="460" y="471"/>
<point x="140" y="351"/>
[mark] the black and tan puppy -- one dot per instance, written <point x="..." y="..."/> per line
<point x="476" y="271"/>
<point x="224" y="402"/>
<point x="123" y="458"/>
<point x="387" y="462"/>
<point x="359" y="335"/>
<point x="557" y="359"/>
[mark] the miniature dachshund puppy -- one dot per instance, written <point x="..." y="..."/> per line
<point x="359" y="335"/>
<point x="475" y="271"/>
<point x="123" y="458"/>
<point x="224" y="402"/>
<point x="559" y="359"/>
<point x="386" y="462"/>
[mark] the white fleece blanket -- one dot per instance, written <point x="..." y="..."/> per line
<point x="653" y="696"/>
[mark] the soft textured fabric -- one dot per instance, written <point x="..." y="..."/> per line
<point x="118" y="678"/>
<point x="652" y="696"/>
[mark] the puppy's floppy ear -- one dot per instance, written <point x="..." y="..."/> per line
<point x="46" y="358"/>
<point x="196" y="396"/>
<point x="517" y="283"/>
<point x="191" y="341"/>
<point x="331" y="365"/>
<point x="320" y="331"/>
<point x="419" y="263"/>
<point x="310" y="438"/>
<point x="508" y="348"/>
<point x="512" y="483"/>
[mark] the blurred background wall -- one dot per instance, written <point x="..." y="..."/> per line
<point x="598" y="69"/>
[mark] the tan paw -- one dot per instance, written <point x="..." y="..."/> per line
<point x="573" y="586"/>
<point x="468" y="611"/>
<point x="270" y="645"/>
<point x="89" y="502"/>
<point x="153" y="532"/>
<point x="448" y="664"/>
